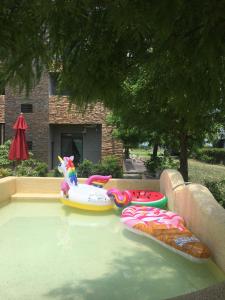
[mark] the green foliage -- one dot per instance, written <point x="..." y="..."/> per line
<point x="160" y="163"/>
<point x="217" y="188"/>
<point x="175" y="91"/>
<point x="32" y="167"/>
<point x="4" y="152"/>
<point x="54" y="173"/>
<point x="130" y="135"/>
<point x="210" y="155"/>
<point x="85" y="169"/>
<point x="4" y="172"/>
<point x="199" y="172"/>
<point x="109" y="166"/>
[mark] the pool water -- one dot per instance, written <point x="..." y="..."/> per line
<point x="49" y="251"/>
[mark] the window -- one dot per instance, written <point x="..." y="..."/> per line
<point x="26" y="108"/>
<point x="29" y="145"/>
<point x="54" y="86"/>
<point x="2" y="88"/>
<point x="72" y="144"/>
<point x="2" y="91"/>
<point x="2" y="133"/>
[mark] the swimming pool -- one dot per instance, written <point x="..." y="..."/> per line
<point x="49" y="251"/>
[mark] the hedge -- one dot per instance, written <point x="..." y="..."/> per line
<point x="211" y="155"/>
<point x="217" y="188"/>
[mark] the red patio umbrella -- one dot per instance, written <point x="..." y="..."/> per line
<point x="18" y="149"/>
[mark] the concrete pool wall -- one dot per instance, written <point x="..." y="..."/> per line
<point x="203" y="215"/>
<point x="201" y="212"/>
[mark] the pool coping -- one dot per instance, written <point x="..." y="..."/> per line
<point x="203" y="215"/>
<point x="193" y="202"/>
<point x="216" y="291"/>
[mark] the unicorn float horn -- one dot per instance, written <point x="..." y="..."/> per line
<point x="60" y="159"/>
<point x="65" y="183"/>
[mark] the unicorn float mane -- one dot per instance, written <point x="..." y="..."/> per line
<point x="68" y="169"/>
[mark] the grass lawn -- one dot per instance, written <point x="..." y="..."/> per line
<point x="140" y="153"/>
<point x="143" y="153"/>
<point x="199" y="172"/>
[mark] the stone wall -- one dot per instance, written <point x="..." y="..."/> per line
<point x="7" y="188"/>
<point x="53" y="110"/>
<point x="201" y="212"/>
<point x="2" y="109"/>
<point x="37" y="121"/>
<point x="61" y="113"/>
<point x="110" y="145"/>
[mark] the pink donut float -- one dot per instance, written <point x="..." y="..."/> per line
<point x="167" y="228"/>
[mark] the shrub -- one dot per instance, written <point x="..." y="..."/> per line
<point x="32" y="167"/>
<point x="156" y="166"/>
<point x="4" y="152"/>
<point x="4" y="172"/>
<point x="55" y="173"/>
<point x="217" y="188"/>
<point x="210" y="155"/>
<point x="109" y="166"/>
<point x="85" y="169"/>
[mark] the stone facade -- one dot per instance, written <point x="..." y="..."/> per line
<point x="37" y="121"/>
<point x="61" y="113"/>
<point x="2" y="109"/>
<point x="49" y="112"/>
<point x="110" y="145"/>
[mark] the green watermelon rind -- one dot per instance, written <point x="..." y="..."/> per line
<point x="158" y="203"/>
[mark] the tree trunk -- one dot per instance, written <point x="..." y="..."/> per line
<point x="155" y="151"/>
<point x="127" y="152"/>
<point x="184" y="156"/>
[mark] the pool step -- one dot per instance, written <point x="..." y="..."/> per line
<point x="33" y="197"/>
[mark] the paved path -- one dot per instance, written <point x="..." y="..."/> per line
<point x="134" y="167"/>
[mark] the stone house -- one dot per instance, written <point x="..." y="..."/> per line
<point x="54" y="128"/>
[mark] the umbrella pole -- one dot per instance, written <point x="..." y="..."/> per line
<point x="14" y="167"/>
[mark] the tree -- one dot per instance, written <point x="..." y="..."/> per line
<point x="164" y="114"/>
<point x="101" y="48"/>
<point x="130" y="136"/>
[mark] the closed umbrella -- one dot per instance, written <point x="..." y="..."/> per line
<point x="18" y="149"/>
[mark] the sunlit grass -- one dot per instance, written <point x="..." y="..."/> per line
<point x="140" y="153"/>
<point x="143" y="153"/>
<point x="200" y="172"/>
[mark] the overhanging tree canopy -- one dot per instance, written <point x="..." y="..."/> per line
<point x="167" y="55"/>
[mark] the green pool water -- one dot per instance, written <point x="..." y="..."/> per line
<point x="49" y="251"/>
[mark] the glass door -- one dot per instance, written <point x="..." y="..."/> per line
<point x="72" y="144"/>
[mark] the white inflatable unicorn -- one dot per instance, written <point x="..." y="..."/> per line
<point x="90" y="195"/>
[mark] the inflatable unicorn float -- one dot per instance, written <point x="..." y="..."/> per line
<point x="90" y="196"/>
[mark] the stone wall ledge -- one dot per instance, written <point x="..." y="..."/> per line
<point x="194" y="202"/>
<point x="201" y="212"/>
